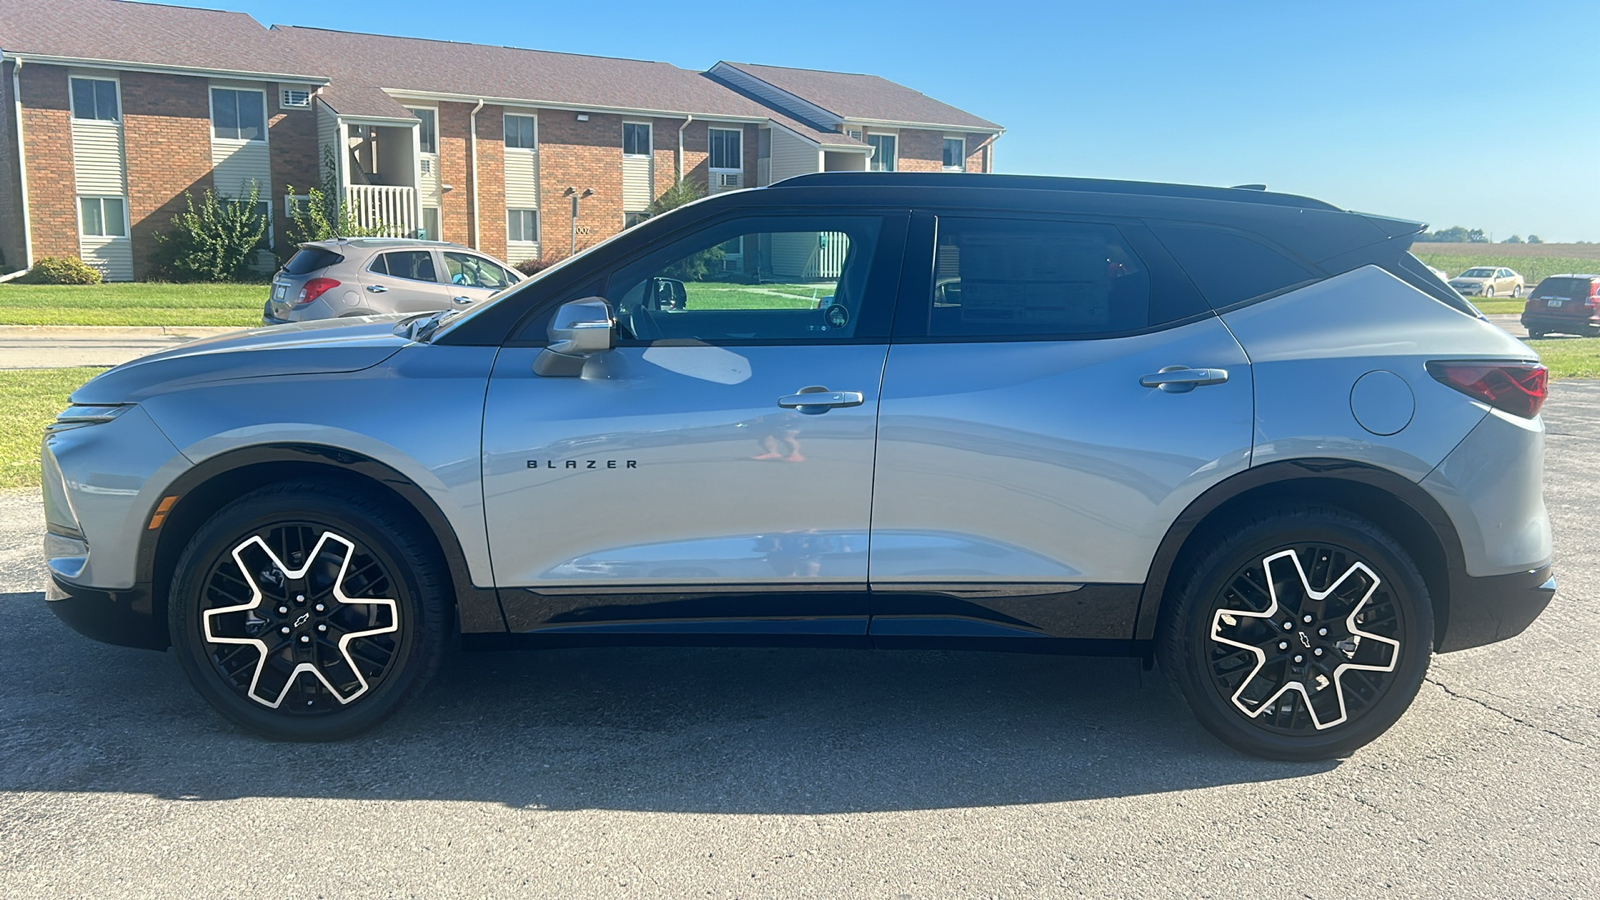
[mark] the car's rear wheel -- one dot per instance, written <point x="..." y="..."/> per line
<point x="1516" y="292"/>
<point x="308" y="611"/>
<point x="1301" y="634"/>
<point x="1535" y="335"/>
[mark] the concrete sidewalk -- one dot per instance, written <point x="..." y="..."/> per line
<point x="59" y="346"/>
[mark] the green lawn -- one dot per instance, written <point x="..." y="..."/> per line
<point x="1570" y="357"/>
<point x="716" y="295"/>
<point x="132" y="304"/>
<point x="33" y="398"/>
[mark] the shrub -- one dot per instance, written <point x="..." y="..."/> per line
<point x="214" y="240"/>
<point x="532" y="267"/>
<point x="323" y="216"/>
<point x="62" y="270"/>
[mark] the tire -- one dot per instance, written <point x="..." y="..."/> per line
<point x="1536" y="335"/>
<point x="1488" y="293"/>
<point x="1255" y="685"/>
<point x="1516" y="292"/>
<point x="361" y="620"/>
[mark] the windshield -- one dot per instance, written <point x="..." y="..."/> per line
<point x="1477" y="273"/>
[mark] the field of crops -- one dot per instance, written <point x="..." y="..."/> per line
<point x="1531" y="267"/>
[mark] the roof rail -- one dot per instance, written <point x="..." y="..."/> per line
<point x="1242" y="194"/>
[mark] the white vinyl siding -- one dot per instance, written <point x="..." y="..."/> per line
<point x="792" y="155"/>
<point x="638" y="169"/>
<point x="100" y="174"/>
<point x="428" y="191"/>
<point x="522" y="193"/>
<point x="327" y="143"/>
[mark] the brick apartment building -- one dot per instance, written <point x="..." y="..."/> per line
<point x="112" y="110"/>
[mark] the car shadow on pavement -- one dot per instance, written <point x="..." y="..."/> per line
<point x="678" y="730"/>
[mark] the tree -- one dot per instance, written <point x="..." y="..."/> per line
<point x="213" y="240"/>
<point x="1514" y="239"/>
<point x="1535" y="239"/>
<point x="1476" y="236"/>
<point x="1452" y="235"/>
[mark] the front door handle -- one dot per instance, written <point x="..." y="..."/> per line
<point x="461" y="301"/>
<point x="376" y="289"/>
<point x="817" y="400"/>
<point x="1182" y="379"/>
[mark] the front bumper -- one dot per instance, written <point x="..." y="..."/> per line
<point x="1494" y="607"/>
<point x="124" y="618"/>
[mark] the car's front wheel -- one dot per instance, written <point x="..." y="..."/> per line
<point x="1488" y="292"/>
<point x="1301" y="634"/>
<point x="308" y="611"/>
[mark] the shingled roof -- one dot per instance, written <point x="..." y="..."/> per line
<point x="148" y="35"/>
<point x="862" y="97"/>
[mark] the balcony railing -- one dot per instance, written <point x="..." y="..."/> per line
<point x="390" y="208"/>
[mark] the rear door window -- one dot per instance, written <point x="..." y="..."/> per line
<point x="1031" y="279"/>
<point x="413" y="265"/>
<point x="1229" y="267"/>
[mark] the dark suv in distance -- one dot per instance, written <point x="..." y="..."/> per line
<point x="1244" y="435"/>
<point x="1564" y="304"/>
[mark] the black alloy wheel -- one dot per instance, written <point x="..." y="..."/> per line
<point x="1302" y="635"/>
<point x="304" y="611"/>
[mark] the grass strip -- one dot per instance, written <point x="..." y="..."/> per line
<point x="32" y="398"/>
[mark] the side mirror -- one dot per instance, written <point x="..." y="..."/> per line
<point x="668" y="293"/>
<point x="579" y="330"/>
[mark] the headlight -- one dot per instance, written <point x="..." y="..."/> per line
<point x="80" y="416"/>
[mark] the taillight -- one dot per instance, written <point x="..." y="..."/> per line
<point x="315" y="288"/>
<point x="1519" y="388"/>
<point x="1594" y="294"/>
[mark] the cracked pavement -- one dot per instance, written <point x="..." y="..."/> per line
<point x="803" y="773"/>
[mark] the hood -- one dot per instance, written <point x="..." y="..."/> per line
<point x="306" y="348"/>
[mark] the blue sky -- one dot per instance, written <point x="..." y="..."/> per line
<point x="1463" y="113"/>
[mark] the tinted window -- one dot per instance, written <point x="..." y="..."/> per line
<point x="475" y="271"/>
<point x="1019" y="278"/>
<point x="310" y="259"/>
<point x="771" y="279"/>
<point x="416" y="265"/>
<point x="1228" y="267"/>
<point x="1563" y="287"/>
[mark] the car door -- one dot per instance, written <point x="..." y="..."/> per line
<point x="711" y="474"/>
<point x="1056" y="392"/>
<point x="403" y="281"/>
<point x="472" y="277"/>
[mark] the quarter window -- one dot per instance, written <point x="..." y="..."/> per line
<point x="635" y="139"/>
<point x="765" y="280"/>
<point x="955" y="154"/>
<point x="522" y="225"/>
<point x="415" y="265"/>
<point x="238" y="115"/>
<point x="102" y="217"/>
<point x="883" y="152"/>
<point x="1229" y="267"/>
<point x="95" y="98"/>
<point x="1034" y="279"/>
<point x="726" y="149"/>
<point x="522" y="132"/>
<point x="428" y="131"/>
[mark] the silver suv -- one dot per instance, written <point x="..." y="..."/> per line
<point x="1242" y="435"/>
<point x="374" y="276"/>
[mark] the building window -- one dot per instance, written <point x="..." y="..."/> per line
<point x="294" y="98"/>
<point x="102" y="217"/>
<point x="238" y="115"/>
<point x="955" y="154"/>
<point x="522" y="132"/>
<point x="428" y="131"/>
<point x="882" y="152"/>
<point x="522" y="226"/>
<point x="94" y="98"/>
<point x="727" y="149"/>
<point x="630" y="219"/>
<point x="635" y="139"/>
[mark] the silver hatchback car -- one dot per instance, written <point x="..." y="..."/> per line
<point x="374" y="276"/>
<point x="1242" y="435"/>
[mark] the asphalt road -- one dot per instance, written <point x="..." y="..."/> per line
<point x="755" y="773"/>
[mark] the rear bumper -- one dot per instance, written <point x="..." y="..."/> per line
<point x="1494" y="607"/>
<point x="1564" y="324"/>
<point x="124" y="618"/>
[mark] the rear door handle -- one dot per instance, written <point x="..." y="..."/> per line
<point x="461" y="301"/>
<point x="816" y="400"/>
<point x="376" y="289"/>
<point x="1182" y="379"/>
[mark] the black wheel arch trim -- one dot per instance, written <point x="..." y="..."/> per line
<point x="1316" y="474"/>
<point x="478" y="608"/>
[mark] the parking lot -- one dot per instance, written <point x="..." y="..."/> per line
<point x="798" y="773"/>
